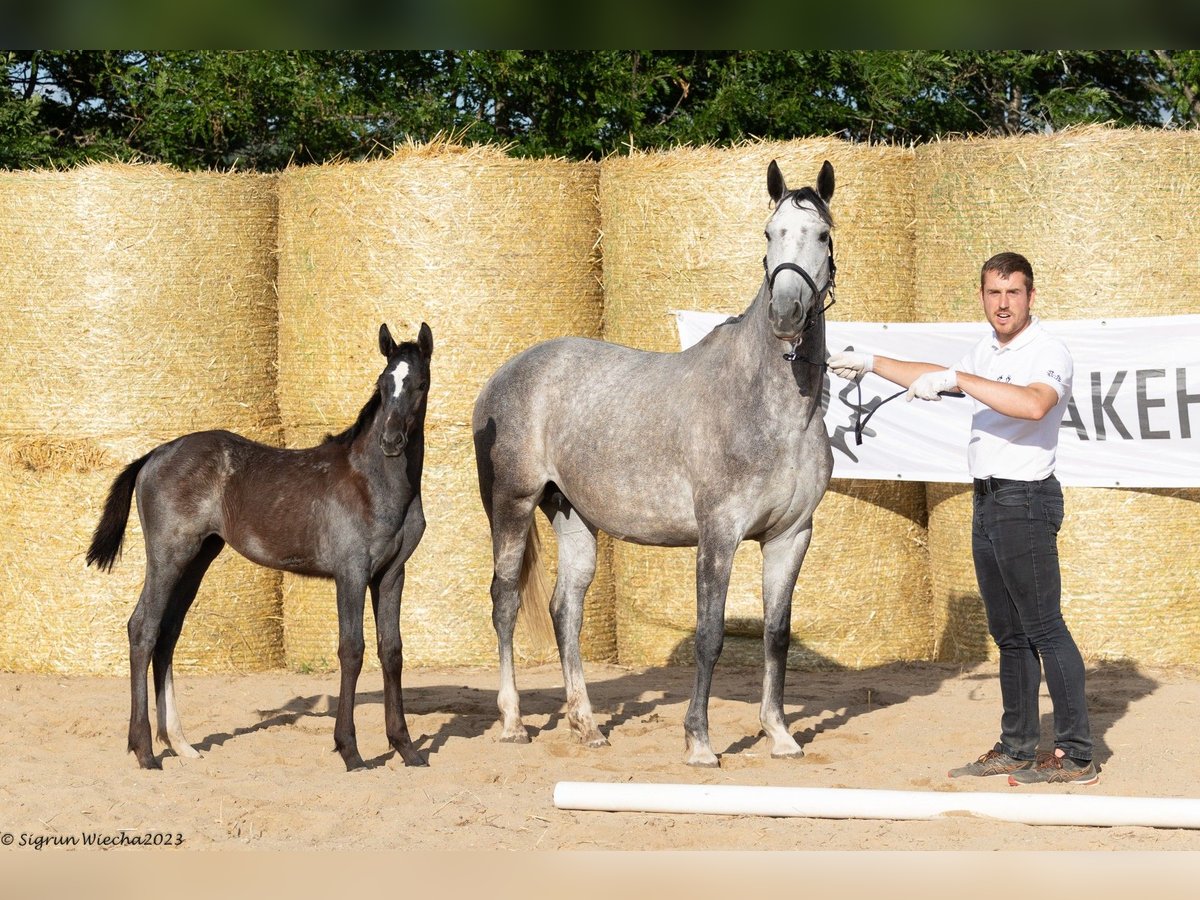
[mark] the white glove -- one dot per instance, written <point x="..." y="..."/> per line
<point x="850" y="365"/>
<point x="929" y="385"/>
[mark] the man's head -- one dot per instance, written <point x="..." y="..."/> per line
<point x="1007" y="293"/>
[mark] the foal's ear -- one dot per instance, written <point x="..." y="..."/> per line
<point x="775" y="184"/>
<point x="387" y="346"/>
<point x="425" y="340"/>
<point x="825" y="182"/>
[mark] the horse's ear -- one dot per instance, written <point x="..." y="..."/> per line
<point x="775" y="184"/>
<point x="425" y="340"/>
<point x="387" y="346"/>
<point x="825" y="182"/>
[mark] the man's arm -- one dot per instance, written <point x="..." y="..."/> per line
<point x="1032" y="401"/>
<point x="851" y="365"/>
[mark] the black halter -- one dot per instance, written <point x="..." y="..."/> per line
<point x="818" y="293"/>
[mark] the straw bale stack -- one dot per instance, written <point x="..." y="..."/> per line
<point x="138" y="306"/>
<point x="1107" y="219"/>
<point x="683" y="230"/>
<point x="496" y="254"/>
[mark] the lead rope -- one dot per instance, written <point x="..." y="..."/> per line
<point x="791" y="356"/>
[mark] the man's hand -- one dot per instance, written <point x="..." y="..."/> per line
<point x="930" y="385"/>
<point x="850" y="365"/>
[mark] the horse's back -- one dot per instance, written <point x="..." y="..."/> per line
<point x="611" y="426"/>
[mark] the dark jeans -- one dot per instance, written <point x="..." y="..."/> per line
<point x="1014" y="539"/>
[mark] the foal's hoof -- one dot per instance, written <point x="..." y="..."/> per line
<point x="353" y="762"/>
<point x="413" y="757"/>
<point x="147" y="760"/>
<point x="186" y="751"/>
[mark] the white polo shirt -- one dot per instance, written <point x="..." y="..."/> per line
<point x="1004" y="447"/>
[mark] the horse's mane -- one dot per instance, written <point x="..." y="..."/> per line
<point x="800" y="195"/>
<point x="361" y="424"/>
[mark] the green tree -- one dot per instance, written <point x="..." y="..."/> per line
<point x="261" y="109"/>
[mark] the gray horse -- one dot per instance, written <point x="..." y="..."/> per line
<point x="720" y="443"/>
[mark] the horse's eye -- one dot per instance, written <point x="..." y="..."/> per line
<point x="824" y="236"/>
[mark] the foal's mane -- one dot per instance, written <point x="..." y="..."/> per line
<point x="365" y="416"/>
<point x="367" y="413"/>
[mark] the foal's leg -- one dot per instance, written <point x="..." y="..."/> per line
<point x="170" y="730"/>
<point x="510" y="531"/>
<point x="714" y="562"/>
<point x="782" y="558"/>
<point x="576" y="569"/>
<point x="386" y="593"/>
<point x="163" y="571"/>
<point x="351" y="590"/>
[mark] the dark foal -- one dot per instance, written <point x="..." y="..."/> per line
<point x="349" y="509"/>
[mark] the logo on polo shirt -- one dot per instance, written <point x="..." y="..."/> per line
<point x="1054" y="375"/>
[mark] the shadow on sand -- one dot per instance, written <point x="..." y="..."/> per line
<point x="817" y="689"/>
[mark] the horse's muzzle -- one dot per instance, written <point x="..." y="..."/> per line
<point x="789" y="323"/>
<point x="393" y="447"/>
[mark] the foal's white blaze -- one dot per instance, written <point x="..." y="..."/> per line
<point x="399" y="374"/>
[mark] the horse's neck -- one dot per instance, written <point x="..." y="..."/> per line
<point x="389" y="475"/>
<point x="802" y="378"/>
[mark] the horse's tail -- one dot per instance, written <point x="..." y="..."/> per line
<point x="110" y="533"/>
<point x="535" y="590"/>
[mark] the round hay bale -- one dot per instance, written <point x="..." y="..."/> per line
<point x="1106" y="219"/>
<point x="496" y="254"/>
<point x="1104" y="216"/>
<point x="138" y="306"/>
<point x="58" y="615"/>
<point x="683" y="230"/>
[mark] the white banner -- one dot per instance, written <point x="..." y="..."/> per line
<point x="1133" y="419"/>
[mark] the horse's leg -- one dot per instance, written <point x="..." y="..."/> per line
<point x="510" y="530"/>
<point x="163" y="571"/>
<point x="351" y="591"/>
<point x="714" y="562"/>
<point x="782" y="558"/>
<point x="170" y="729"/>
<point x="576" y="569"/>
<point x="386" y="593"/>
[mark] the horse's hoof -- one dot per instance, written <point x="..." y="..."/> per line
<point x="515" y="737"/>
<point x="788" y="754"/>
<point x="186" y="751"/>
<point x="704" y="762"/>
<point x="596" y="741"/>
<point x="353" y="762"/>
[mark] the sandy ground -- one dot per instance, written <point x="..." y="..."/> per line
<point x="268" y="778"/>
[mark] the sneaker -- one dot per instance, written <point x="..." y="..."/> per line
<point x="1053" y="769"/>
<point x="994" y="762"/>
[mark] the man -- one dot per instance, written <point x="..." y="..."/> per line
<point x="1020" y="380"/>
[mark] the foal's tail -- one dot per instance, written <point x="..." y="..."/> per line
<point x="535" y="590"/>
<point x="110" y="533"/>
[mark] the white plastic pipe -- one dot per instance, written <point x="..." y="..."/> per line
<point x="847" y="803"/>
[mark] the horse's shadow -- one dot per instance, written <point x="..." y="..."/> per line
<point x="818" y="690"/>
